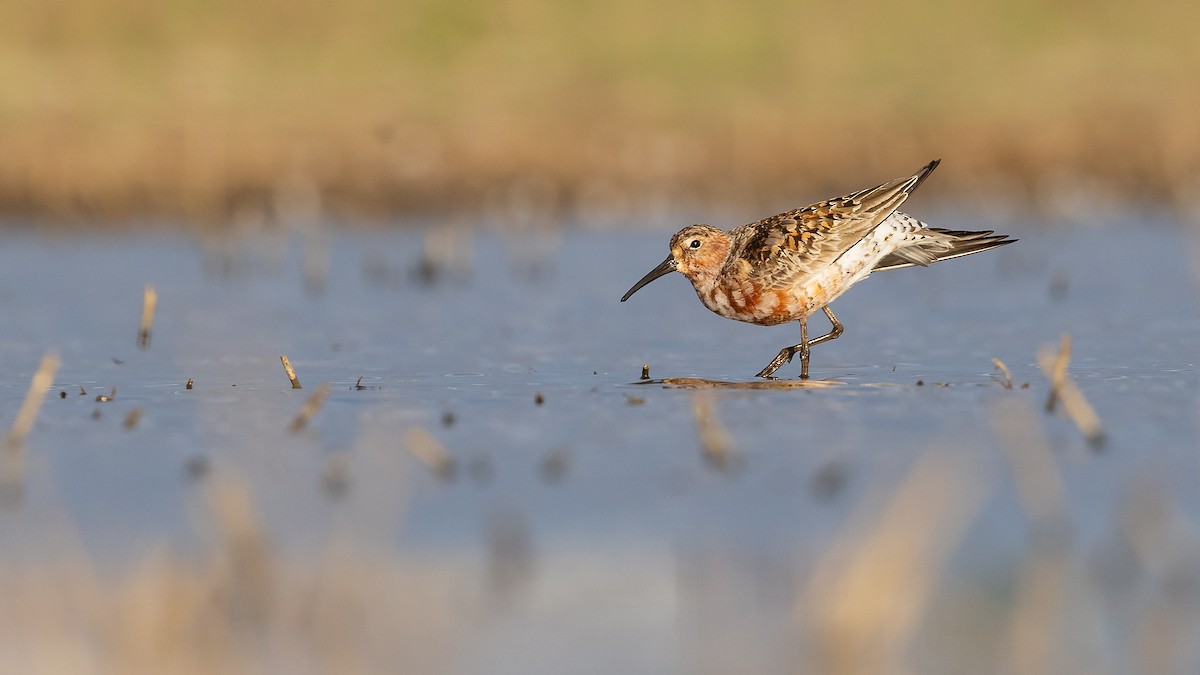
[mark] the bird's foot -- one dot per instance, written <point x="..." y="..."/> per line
<point x="784" y="357"/>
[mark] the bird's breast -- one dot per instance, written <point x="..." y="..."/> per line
<point x="743" y="300"/>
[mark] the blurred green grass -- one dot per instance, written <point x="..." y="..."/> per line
<point x="202" y="109"/>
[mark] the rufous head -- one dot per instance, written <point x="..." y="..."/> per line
<point x="697" y="251"/>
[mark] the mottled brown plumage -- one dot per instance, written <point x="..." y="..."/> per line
<point x="786" y="267"/>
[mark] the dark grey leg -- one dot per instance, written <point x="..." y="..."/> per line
<point x="805" y="349"/>
<point x="785" y="355"/>
<point x="833" y="334"/>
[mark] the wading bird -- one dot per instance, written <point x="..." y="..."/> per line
<point x="786" y="267"/>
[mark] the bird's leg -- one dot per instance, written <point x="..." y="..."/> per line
<point x="833" y="334"/>
<point x="785" y="355"/>
<point x="805" y="346"/>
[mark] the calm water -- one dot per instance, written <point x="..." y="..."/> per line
<point x="632" y="550"/>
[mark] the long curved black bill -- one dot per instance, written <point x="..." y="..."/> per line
<point x="666" y="267"/>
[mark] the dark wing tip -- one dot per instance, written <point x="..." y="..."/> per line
<point x="924" y="173"/>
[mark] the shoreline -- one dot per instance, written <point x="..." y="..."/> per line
<point x="215" y="178"/>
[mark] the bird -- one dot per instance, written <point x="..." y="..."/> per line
<point x="787" y="267"/>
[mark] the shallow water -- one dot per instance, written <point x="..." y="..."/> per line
<point x="633" y="549"/>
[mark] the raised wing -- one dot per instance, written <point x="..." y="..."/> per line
<point x="790" y="245"/>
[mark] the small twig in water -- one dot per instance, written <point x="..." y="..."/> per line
<point x="149" y="304"/>
<point x="645" y="371"/>
<point x="1057" y="371"/>
<point x="1004" y="377"/>
<point x="291" y="373"/>
<point x="310" y="409"/>
<point x="1063" y="388"/>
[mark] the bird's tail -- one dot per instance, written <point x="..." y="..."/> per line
<point x="942" y="245"/>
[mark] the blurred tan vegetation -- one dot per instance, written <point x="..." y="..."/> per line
<point x="211" y="109"/>
<point x="880" y="597"/>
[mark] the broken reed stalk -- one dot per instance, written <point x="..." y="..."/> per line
<point x="430" y="451"/>
<point x="715" y="444"/>
<point x="248" y="571"/>
<point x="1005" y="377"/>
<point x="149" y="304"/>
<point x="1063" y="388"/>
<point x="311" y="407"/>
<point x="27" y="415"/>
<point x="865" y="600"/>
<point x="645" y="371"/>
<point x="1058" y="371"/>
<point x="291" y="373"/>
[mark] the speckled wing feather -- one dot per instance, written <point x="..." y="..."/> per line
<point x="947" y="244"/>
<point x="795" y="244"/>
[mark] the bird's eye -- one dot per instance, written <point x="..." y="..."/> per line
<point x="695" y="243"/>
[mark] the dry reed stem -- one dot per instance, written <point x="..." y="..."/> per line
<point x="1063" y="388"/>
<point x="430" y="451"/>
<point x="1058" y="371"/>
<point x="645" y="371"/>
<point x="236" y="606"/>
<point x="12" y="464"/>
<point x="27" y="415"/>
<point x="149" y="304"/>
<point x="868" y="595"/>
<point x="310" y="409"/>
<point x="291" y="373"/>
<point x="1036" y="625"/>
<point x="246" y="569"/>
<point x="715" y="445"/>
<point x="1005" y="377"/>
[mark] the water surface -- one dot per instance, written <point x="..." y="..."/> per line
<point x="582" y="498"/>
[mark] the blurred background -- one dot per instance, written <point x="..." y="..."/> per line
<point x="208" y="109"/>
<point x="432" y="208"/>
